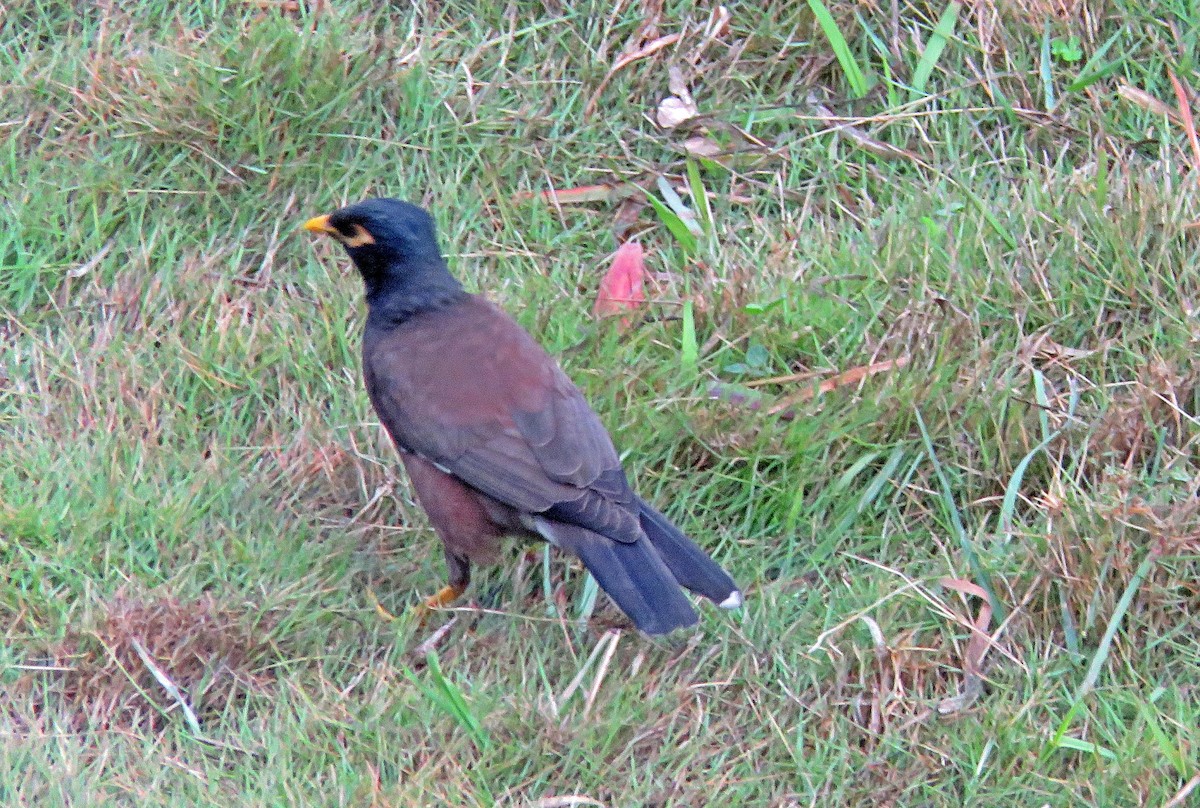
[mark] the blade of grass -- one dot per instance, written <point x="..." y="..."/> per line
<point x="678" y="229"/>
<point x="985" y="209"/>
<point x="449" y="698"/>
<point x="841" y="49"/>
<point x="1114" y="623"/>
<point x="1044" y="70"/>
<point x="699" y="198"/>
<point x="1060" y="739"/>
<point x="938" y="39"/>
<point x="1090" y="74"/>
<point x="981" y="574"/>
<point x="1013" y="489"/>
<point x="587" y="598"/>
<point x="881" y="49"/>
<point x="1080" y="745"/>
<point x="689" y="348"/>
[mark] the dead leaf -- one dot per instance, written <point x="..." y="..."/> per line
<point x="977" y="648"/>
<point x="701" y="146"/>
<point x="678" y="86"/>
<point x="566" y="802"/>
<point x="626" y="217"/>
<point x="718" y="24"/>
<point x="283" y="6"/>
<point x="674" y="111"/>
<point x="679" y="107"/>
<point x="1041" y="346"/>
<point x="622" y="289"/>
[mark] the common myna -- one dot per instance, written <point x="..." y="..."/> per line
<point x="496" y="439"/>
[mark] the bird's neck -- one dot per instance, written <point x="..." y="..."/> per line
<point x="396" y="293"/>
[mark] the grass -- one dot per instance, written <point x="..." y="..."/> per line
<point x="194" y="489"/>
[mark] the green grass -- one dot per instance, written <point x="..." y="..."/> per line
<point x="188" y="459"/>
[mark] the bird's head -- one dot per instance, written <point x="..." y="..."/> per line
<point x="381" y="232"/>
<point x="394" y="246"/>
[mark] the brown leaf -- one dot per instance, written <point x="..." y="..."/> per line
<point x="626" y="217"/>
<point x="621" y="290"/>
<point x="679" y="107"/>
<point x="718" y="23"/>
<point x="673" y="111"/>
<point x="977" y="648"/>
<point x="701" y="146"/>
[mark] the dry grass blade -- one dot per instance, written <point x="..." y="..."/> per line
<point x="1185" y="115"/>
<point x="856" y="135"/>
<point x="1143" y="99"/>
<point x="600" y="648"/>
<point x="1180" y="798"/>
<point x="626" y="59"/>
<point x="829" y="632"/>
<point x="977" y="648"/>
<point x="852" y="376"/>
<point x="565" y="802"/>
<point x="613" y="638"/>
<point x="581" y="195"/>
<point x="431" y="642"/>
<point x="172" y="689"/>
<point x="93" y="262"/>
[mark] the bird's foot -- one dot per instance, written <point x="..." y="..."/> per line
<point x="444" y="597"/>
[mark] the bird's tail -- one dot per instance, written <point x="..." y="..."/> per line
<point x="633" y="574"/>
<point x="690" y="565"/>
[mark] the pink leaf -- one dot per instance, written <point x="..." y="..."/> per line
<point x="621" y="289"/>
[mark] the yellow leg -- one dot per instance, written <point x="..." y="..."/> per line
<point x="445" y="596"/>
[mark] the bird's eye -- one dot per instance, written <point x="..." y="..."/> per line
<point x="357" y="237"/>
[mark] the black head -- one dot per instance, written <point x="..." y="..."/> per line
<point x="381" y="232"/>
<point x="394" y="246"/>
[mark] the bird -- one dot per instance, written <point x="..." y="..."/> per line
<point x="496" y="440"/>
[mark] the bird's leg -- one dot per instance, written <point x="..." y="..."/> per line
<point x="444" y="597"/>
<point x="459" y="570"/>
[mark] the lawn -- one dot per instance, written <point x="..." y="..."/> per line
<point x="919" y="363"/>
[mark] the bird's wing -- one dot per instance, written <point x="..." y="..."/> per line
<point x="468" y="389"/>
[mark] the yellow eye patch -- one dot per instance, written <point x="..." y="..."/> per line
<point x="361" y="237"/>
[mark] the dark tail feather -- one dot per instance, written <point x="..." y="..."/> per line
<point x="690" y="565"/>
<point x="632" y="574"/>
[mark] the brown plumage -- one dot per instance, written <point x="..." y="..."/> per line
<point x="495" y="438"/>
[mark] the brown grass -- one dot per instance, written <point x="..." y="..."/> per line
<point x="214" y="654"/>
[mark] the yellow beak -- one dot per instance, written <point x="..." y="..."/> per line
<point x="320" y="224"/>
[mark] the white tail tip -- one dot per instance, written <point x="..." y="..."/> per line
<point x="734" y="601"/>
